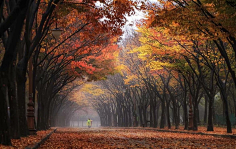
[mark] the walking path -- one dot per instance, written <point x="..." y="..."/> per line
<point x="131" y="137"/>
<point x="95" y="138"/>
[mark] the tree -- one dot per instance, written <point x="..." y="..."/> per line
<point x="37" y="17"/>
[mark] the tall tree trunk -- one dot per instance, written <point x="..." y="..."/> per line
<point x="115" y="119"/>
<point x="185" y="109"/>
<point x="135" y="116"/>
<point x="140" y="116"/>
<point x="4" y="112"/>
<point x="195" y="115"/>
<point x="13" y="101"/>
<point x="119" y="113"/>
<point x="162" y="122"/>
<point x="109" y="119"/>
<point x="46" y="118"/>
<point x="222" y="87"/>
<point x="205" y="112"/>
<point x="155" y="114"/>
<point x="144" y="116"/>
<point x="168" y="114"/>
<point x="233" y="96"/>
<point x="151" y="112"/>
<point x="210" y="115"/>
<point x="175" y="113"/>
<point x="177" y="117"/>
<point x="130" y="118"/>
<point x="22" y="109"/>
<point x="226" y="112"/>
<point x="40" y="113"/>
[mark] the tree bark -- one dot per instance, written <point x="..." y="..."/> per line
<point x="210" y="115"/>
<point x="140" y="116"/>
<point x="162" y="122"/>
<point x="13" y="102"/>
<point x="151" y="112"/>
<point x="155" y="113"/>
<point x="22" y="109"/>
<point x="4" y="112"/>
<point x="168" y="114"/>
<point x="205" y="112"/>
<point x="195" y="115"/>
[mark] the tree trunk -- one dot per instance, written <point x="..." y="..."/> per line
<point x="14" y="114"/>
<point x="144" y="116"/>
<point x="140" y="116"/>
<point x="168" y="114"/>
<point x="162" y="122"/>
<point x="4" y="116"/>
<point x="135" y="116"/>
<point x="151" y="112"/>
<point x="119" y="112"/>
<point x="175" y="113"/>
<point x="177" y="118"/>
<point x="155" y="114"/>
<point x="205" y="112"/>
<point x="195" y="115"/>
<point x="185" y="109"/>
<point x="222" y="87"/>
<point x="226" y="112"/>
<point x="109" y="119"/>
<point x="22" y="109"/>
<point x="40" y="114"/>
<point x="210" y="115"/>
<point x="115" y="119"/>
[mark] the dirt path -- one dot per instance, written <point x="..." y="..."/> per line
<point x="95" y="138"/>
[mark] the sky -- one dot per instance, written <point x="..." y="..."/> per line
<point x="130" y="26"/>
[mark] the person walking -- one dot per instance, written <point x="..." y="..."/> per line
<point x="89" y="123"/>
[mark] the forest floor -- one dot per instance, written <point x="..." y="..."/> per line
<point x="137" y="138"/>
<point x="23" y="142"/>
<point x="201" y="129"/>
<point x="133" y="138"/>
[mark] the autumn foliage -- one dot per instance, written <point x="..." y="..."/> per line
<point x="28" y="141"/>
<point x="183" y="53"/>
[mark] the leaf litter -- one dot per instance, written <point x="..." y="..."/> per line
<point x="132" y="138"/>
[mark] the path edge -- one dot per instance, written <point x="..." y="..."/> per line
<point x="232" y="136"/>
<point x="35" y="146"/>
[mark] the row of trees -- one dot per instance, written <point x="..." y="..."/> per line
<point x="182" y="56"/>
<point x="184" y="51"/>
<point x="30" y="56"/>
<point x="144" y="99"/>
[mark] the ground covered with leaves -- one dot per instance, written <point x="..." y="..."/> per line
<point x="95" y="138"/>
<point x="27" y="141"/>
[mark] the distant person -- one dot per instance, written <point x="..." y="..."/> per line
<point x="89" y="123"/>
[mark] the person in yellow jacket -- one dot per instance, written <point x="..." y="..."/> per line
<point x="89" y="123"/>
